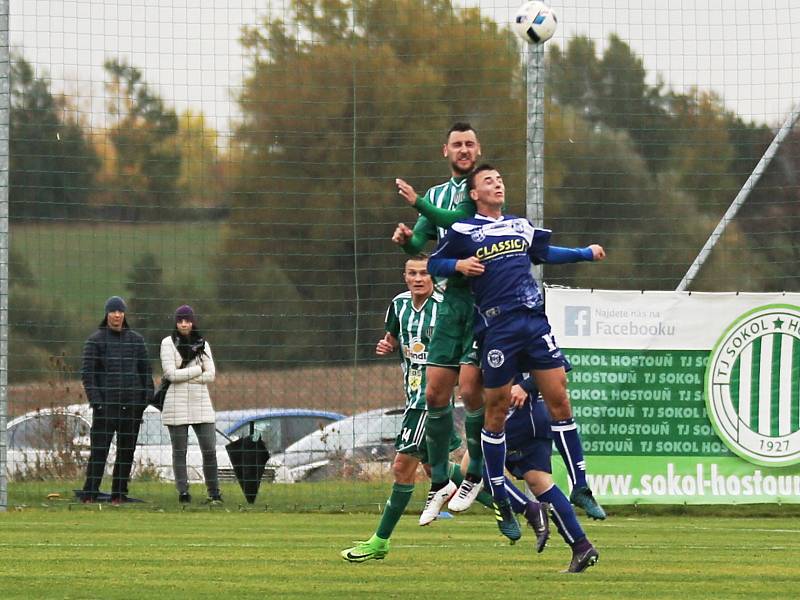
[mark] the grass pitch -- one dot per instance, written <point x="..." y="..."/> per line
<point x="142" y="552"/>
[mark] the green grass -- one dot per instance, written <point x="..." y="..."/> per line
<point x="156" y="550"/>
<point x="83" y="264"/>
<point x="328" y="496"/>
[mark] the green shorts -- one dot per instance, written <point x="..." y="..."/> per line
<point x="411" y="439"/>
<point x="453" y="342"/>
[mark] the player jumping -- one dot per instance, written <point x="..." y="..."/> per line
<point x="496" y="252"/>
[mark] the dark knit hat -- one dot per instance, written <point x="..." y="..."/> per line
<point x="185" y="312"/>
<point x="115" y="303"/>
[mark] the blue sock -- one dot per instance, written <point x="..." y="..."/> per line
<point x="568" y="442"/>
<point x="563" y="515"/>
<point x="494" y="459"/>
<point x="518" y="499"/>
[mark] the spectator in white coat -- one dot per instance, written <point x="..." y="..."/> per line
<point x="187" y="362"/>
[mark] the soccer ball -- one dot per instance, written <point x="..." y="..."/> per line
<point x="535" y="22"/>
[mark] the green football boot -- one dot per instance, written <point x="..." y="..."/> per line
<point x="506" y="521"/>
<point x="582" y="496"/>
<point x="373" y="549"/>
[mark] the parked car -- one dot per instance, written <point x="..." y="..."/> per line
<point x="277" y="427"/>
<point x="49" y="443"/>
<point x="360" y="444"/>
<point x="54" y="442"/>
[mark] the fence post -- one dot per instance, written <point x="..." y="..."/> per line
<point x="534" y="196"/>
<point x="5" y="85"/>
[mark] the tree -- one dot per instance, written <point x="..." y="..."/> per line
<point x="148" y="156"/>
<point x="40" y="328"/>
<point x="333" y="111"/>
<point x="200" y="181"/>
<point x="151" y="300"/>
<point x="599" y="189"/>
<point x="52" y="164"/>
<point x="613" y="90"/>
<point x="702" y="160"/>
<point x="770" y="217"/>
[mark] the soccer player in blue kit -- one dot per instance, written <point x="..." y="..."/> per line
<point x="511" y="327"/>
<point x="529" y="442"/>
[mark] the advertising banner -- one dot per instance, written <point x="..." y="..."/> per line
<point x="684" y="397"/>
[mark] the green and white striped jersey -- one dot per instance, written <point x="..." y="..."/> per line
<point x="447" y="196"/>
<point x="413" y="328"/>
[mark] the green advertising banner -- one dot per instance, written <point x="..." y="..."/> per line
<point x="684" y="398"/>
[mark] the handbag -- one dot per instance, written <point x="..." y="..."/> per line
<point x="161" y="393"/>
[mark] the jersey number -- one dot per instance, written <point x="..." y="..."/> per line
<point x="550" y="341"/>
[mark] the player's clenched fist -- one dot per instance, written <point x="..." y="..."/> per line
<point x="402" y="234"/>
<point x="386" y="345"/>
<point x="598" y="253"/>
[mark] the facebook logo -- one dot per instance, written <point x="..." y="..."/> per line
<point x="577" y="320"/>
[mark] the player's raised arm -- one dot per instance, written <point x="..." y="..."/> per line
<point x="557" y="255"/>
<point x="442" y="217"/>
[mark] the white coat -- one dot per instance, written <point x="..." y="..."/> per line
<point x="187" y="400"/>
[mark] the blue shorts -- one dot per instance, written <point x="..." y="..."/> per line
<point x="532" y="455"/>
<point x="518" y="342"/>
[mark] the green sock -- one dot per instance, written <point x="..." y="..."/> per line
<point x="473" y="423"/>
<point x="395" y="506"/>
<point x="483" y="497"/>
<point x="455" y="474"/>
<point x="438" y="430"/>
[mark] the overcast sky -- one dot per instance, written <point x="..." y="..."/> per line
<point x="746" y="50"/>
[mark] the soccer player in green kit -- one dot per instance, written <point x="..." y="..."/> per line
<point x="438" y="215"/>
<point x="410" y="319"/>
<point x="453" y="356"/>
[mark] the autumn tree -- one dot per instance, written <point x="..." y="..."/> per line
<point x="200" y="181"/>
<point x="341" y="99"/>
<point x="52" y="164"/>
<point x="147" y="154"/>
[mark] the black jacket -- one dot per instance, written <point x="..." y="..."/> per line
<point x="116" y="372"/>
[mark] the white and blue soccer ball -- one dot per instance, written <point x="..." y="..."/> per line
<point x="535" y="22"/>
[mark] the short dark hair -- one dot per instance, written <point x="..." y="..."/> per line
<point x="474" y="173"/>
<point x="420" y="257"/>
<point x="460" y="126"/>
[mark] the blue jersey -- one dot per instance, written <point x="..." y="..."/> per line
<point x="506" y="246"/>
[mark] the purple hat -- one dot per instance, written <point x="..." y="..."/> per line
<point x="185" y="312"/>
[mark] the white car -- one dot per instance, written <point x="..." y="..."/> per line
<point x="361" y="445"/>
<point x="49" y="443"/>
<point x="53" y="443"/>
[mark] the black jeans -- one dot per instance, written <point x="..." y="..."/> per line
<point x="106" y="421"/>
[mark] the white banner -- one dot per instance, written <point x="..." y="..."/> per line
<point x="583" y="318"/>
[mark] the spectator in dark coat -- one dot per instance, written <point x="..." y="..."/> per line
<point x="118" y="381"/>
